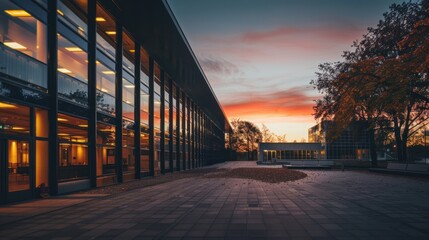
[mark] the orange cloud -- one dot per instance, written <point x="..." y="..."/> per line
<point x="291" y="102"/>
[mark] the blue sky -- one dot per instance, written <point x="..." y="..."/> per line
<point x="259" y="56"/>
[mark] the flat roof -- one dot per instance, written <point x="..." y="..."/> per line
<point x="289" y="146"/>
<point x="153" y="25"/>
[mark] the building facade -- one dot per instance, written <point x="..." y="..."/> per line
<point x="351" y="144"/>
<point x="98" y="92"/>
<point x="278" y="152"/>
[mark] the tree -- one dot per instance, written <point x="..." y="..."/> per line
<point x="384" y="78"/>
<point x="268" y="136"/>
<point x="245" y="137"/>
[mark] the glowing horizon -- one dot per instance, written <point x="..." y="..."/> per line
<point x="260" y="58"/>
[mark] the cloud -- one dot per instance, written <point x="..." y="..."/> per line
<point x="290" y="102"/>
<point x="281" y="43"/>
<point x="218" y="66"/>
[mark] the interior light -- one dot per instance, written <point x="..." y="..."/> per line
<point x="73" y="49"/>
<point x="129" y="86"/>
<point x="5" y="105"/>
<point x="97" y="62"/>
<point x="108" y="72"/>
<point x="64" y="70"/>
<point x="17" y="13"/>
<point x="62" y="120"/>
<point x="81" y="29"/>
<point x="18" y="128"/>
<point x="104" y="90"/>
<point x="15" y="45"/>
<point x="100" y="19"/>
<point x="132" y="50"/>
<point x="110" y="32"/>
<point x="59" y="12"/>
<point x="83" y="125"/>
<point x="63" y="134"/>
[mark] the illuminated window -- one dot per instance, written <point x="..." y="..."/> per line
<point x="22" y="34"/>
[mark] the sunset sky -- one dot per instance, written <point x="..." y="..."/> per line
<point x="260" y="55"/>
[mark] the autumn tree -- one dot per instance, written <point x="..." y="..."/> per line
<point x="269" y="136"/>
<point x="385" y="77"/>
<point x="245" y="137"/>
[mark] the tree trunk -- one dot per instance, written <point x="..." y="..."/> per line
<point x="372" y="148"/>
<point x="404" y="150"/>
<point x="398" y="139"/>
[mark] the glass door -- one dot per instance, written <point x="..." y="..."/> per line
<point x="18" y="166"/>
<point x="15" y="169"/>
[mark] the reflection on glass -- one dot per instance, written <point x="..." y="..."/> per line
<point x="71" y="13"/>
<point x="23" y="47"/>
<point x="128" y="53"/>
<point x="14" y="119"/>
<point x="128" y="147"/>
<point x="73" y="149"/>
<point x="19" y="165"/>
<point x="106" y="32"/>
<point x="144" y="68"/>
<point x="72" y="59"/>
<point x="105" y="149"/>
<point x="105" y="79"/>
<point x="128" y="91"/>
<point x="105" y="103"/>
<point x="144" y="149"/>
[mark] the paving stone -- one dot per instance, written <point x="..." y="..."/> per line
<point x="325" y="205"/>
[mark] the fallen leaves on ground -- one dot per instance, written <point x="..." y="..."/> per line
<point x="270" y="175"/>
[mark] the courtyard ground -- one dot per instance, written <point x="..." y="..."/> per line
<point x="327" y="204"/>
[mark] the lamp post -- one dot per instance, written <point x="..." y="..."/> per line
<point x="426" y="157"/>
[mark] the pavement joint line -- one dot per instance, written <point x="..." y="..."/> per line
<point x="64" y="196"/>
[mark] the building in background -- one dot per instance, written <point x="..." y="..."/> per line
<point x="99" y="92"/>
<point x="351" y="144"/>
<point x="278" y="152"/>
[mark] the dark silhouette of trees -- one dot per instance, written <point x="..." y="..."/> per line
<point x="268" y="136"/>
<point x="384" y="79"/>
<point x="245" y="137"/>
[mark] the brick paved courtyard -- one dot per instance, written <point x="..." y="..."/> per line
<point x="325" y="205"/>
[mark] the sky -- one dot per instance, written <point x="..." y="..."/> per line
<point x="260" y="55"/>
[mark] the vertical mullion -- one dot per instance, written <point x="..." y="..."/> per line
<point x="170" y="127"/>
<point x="118" y="100"/>
<point x="53" y="95"/>
<point x="92" y="92"/>
<point x="151" y="116"/>
<point x="162" y="116"/>
<point x="137" y="106"/>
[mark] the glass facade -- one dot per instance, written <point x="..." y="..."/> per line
<point x="49" y="137"/>
<point x="351" y="144"/>
<point x="73" y="147"/>
<point x="72" y="52"/>
<point x="23" y="43"/>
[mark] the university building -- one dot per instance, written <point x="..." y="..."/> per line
<point x="98" y="92"/>
<point x="351" y="144"/>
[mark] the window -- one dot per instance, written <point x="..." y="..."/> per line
<point x="73" y="149"/>
<point x="106" y="32"/>
<point x="72" y="70"/>
<point x="128" y="158"/>
<point x="105" y="149"/>
<point x="23" y="44"/>
<point x="15" y="119"/>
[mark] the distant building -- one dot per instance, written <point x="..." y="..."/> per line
<point x="275" y="152"/>
<point x="351" y="144"/>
